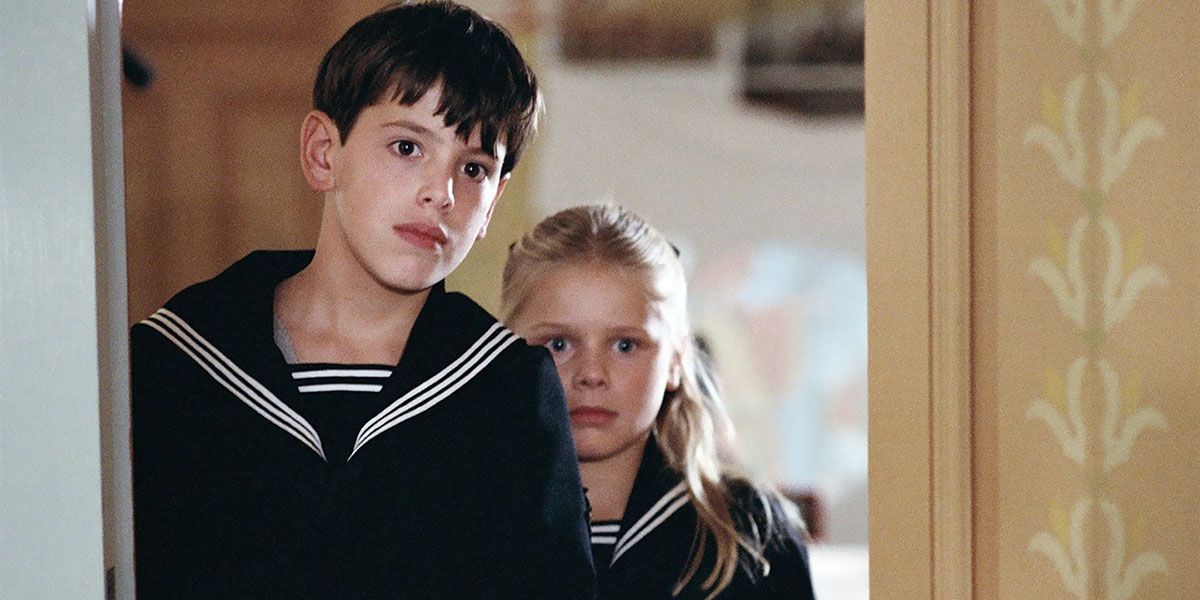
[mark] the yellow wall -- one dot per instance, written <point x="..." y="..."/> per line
<point x="1087" y="312"/>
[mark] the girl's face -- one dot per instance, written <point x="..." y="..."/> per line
<point x="613" y="351"/>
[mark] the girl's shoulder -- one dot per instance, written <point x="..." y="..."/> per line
<point x="775" y="522"/>
<point x="761" y="510"/>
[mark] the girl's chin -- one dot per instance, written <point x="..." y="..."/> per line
<point x="594" y="447"/>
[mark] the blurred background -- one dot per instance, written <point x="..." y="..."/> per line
<point x="735" y="127"/>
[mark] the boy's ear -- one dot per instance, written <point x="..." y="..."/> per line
<point x="492" y="209"/>
<point x="319" y="141"/>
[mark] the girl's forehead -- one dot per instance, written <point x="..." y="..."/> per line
<point x="577" y="280"/>
<point x="597" y="296"/>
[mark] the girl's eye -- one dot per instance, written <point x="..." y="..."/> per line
<point x="557" y="344"/>
<point x="625" y="345"/>
<point x="407" y="148"/>
<point x="475" y="171"/>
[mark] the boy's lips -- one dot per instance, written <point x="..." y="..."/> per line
<point x="591" y="415"/>
<point x="421" y="235"/>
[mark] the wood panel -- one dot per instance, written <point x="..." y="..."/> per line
<point x="212" y="167"/>
<point x="898" y="316"/>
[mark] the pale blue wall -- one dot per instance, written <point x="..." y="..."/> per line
<point x="51" y="531"/>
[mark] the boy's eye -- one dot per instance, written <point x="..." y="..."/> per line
<point x="475" y="171"/>
<point x="406" y="148"/>
<point x="625" y="345"/>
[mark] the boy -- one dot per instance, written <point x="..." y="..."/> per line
<point x="333" y="424"/>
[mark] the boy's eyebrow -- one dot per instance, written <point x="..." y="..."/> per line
<point x="479" y="151"/>
<point x="423" y="130"/>
<point x="411" y="125"/>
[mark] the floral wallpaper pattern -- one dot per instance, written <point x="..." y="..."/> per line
<point x="1096" y="272"/>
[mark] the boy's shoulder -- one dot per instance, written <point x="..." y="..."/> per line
<point x="461" y="325"/>
<point x="230" y="311"/>
<point x="240" y="290"/>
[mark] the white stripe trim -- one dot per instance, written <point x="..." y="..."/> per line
<point x="234" y="379"/>
<point x="649" y="527"/>
<point x="652" y="518"/>
<point x="604" y="540"/>
<point x="273" y="403"/>
<point x="342" y="373"/>
<point x="609" y="528"/>
<point x="437" y="388"/>
<point x="444" y="389"/>
<point x="340" y="387"/>
<point x="450" y="370"/>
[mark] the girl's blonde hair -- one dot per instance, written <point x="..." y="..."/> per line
<point x="692" y="422"/>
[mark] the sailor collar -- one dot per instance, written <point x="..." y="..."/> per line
<point x="225" y="326"/>
<point x="658" y="493"/>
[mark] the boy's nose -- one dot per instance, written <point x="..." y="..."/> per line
<point x="438" y="191"/>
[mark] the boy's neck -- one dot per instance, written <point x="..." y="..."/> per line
<point x="338" y="315"/>
<point x="609" y="481"/>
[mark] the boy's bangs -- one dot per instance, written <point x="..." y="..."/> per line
<point x="403" y="51"/>
<point x="472" y="101"/>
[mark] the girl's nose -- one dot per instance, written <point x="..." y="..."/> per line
<point x="590" y="372"/>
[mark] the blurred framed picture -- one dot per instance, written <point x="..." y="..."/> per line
<point x="805" y="57"/>
<point x="625" y="30"/>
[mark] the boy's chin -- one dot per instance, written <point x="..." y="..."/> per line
<point x="411" y="285"/>
<point x="409" y="282"/>
<point x="409" y="276"/>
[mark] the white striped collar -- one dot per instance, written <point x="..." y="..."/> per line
<point x="233" y="378"/>
<point x="666" y="506"/>
<point x="268" y="405"/>
<point x="605" y="534"/>
<point x="347" y="372"/>
<point x="437" y="388"/>
<point x="319" y="378"/>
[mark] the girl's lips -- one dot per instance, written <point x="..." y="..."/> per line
<point x="421" y="235"/>
<point x="592" y="415"/>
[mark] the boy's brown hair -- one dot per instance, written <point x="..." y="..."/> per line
<point x="401" y="51"/>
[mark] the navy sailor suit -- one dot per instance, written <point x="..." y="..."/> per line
<point x="460" y="483"/>
<point x="644" y="555"/>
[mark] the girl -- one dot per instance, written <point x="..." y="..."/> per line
<point x="606" y="294"/>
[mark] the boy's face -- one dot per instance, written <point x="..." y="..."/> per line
<point x="405" y="197"/>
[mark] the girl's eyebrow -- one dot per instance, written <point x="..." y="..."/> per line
<point x="638" y="333"/>
<point x="617" y="331"/>
<point x="541" y="327"/>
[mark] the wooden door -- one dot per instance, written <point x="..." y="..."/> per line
<point x="211" y="145"/>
